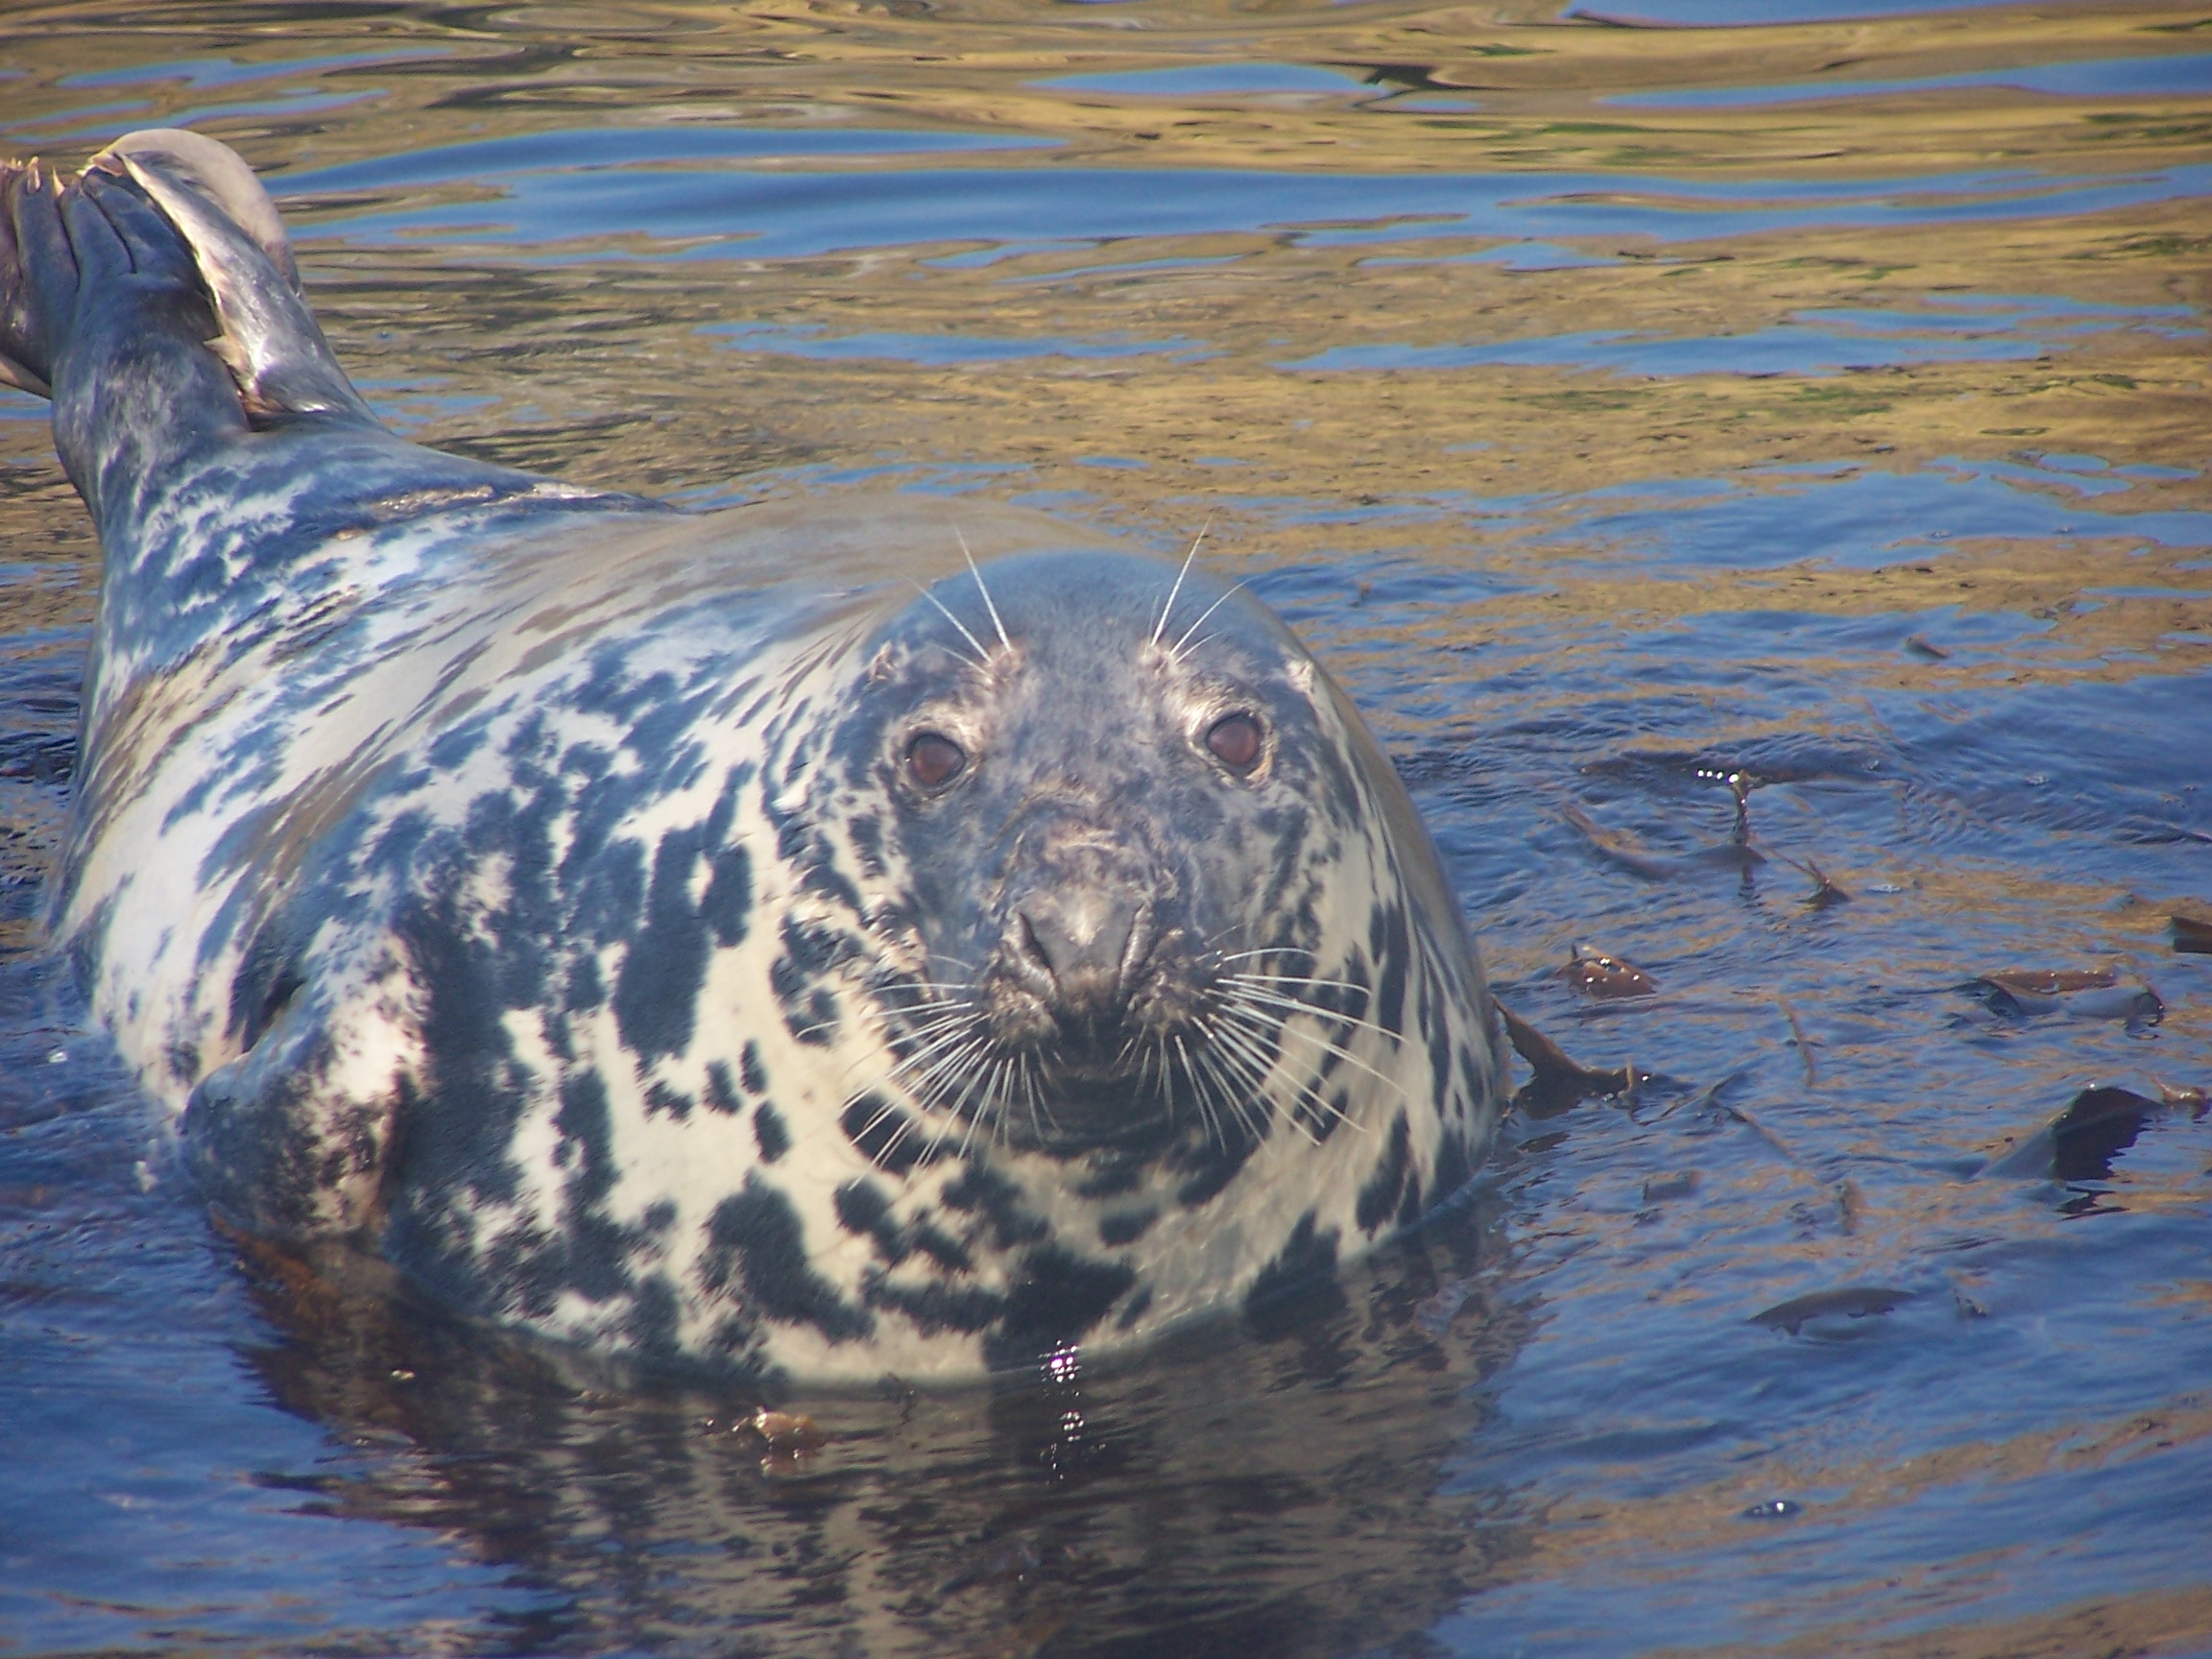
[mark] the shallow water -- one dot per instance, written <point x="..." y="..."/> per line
<point x="1620" y="401"/>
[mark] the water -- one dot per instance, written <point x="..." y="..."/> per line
<point x="1618" y="409"/>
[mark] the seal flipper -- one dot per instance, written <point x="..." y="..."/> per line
<point x="268" y="338"/>
<point x="26" y="355"/>
<point x="280" y="1142"/>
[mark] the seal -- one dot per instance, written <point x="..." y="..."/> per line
<point x="816" y="939"/>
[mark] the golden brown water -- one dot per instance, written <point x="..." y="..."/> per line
<point x="1615" y="405"/>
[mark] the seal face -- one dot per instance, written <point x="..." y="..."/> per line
<point x="677" y="935"/>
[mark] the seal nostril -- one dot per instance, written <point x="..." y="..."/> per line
<point x="1030" y="947"/>
<point x="1073" y="945"/>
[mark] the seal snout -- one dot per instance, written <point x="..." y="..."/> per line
<point x="1077" y="948"/>
<point x="1086" y="943"/>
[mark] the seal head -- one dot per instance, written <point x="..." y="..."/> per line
<point x="1125" y="818"/>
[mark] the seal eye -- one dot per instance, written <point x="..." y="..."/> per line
<point x="934" y="759"/>
<point x="1235" y="741"/>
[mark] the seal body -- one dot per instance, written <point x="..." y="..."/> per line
<point x="770" y="939"/>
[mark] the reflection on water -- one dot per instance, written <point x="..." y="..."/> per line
<point x="1642" y="419"/>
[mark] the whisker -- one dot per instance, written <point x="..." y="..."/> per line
<point x="923" y="1026"/>
<point x="1342" y="1053"/>
<point x="1198" y="1094"/>
<point x="982" y="659"/>
<point x="1242" y="582"/>
<point x="1294" y="1005"/>
<point x="1298" y="979"/>
<point x="1034" y="1097"/>
<point x="1236" y="1091"/>
<point x="1160" y="627"/>
<point x="974" y="571"/>
<point x="1245" y="1049"/>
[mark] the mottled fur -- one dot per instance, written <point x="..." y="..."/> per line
<point x="535" y="883"/>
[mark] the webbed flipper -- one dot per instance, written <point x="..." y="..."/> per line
<point x="268" y="338"/>
<point x="281" y="1144"/>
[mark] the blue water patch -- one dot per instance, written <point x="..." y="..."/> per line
<point x="995" y="252"/>
<point x="1707" y="12"/>
<point x="943" y="351"/>
<point x="1781" y="349"/>
<point x="793" y="213"/>
<point x="569" y="151"/>
<point x="229" y="72"/>
<point x="1538" y="256"/>
<point x="2189" y="75"/>
<point x="1863" y="519"/>
<point x="117" y="119"/>
<point x="1201" y="79"/>
<point x="1513" y="257"/>
<point x="1981" y="331"/>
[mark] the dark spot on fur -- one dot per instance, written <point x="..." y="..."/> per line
<point x="1409" y="1206"/>
<point x="750" y="1071"/>
<point x="1392" y="948"/>
<point x="981" y="1189"/>
<point x="1211" y="1164"/>
<point x="770" y="1132"/>
<point x="865" y="1211"/>
<point x="886" y="1136"/>
<point x="1135" y="1308"/>
<point x="661" y="1099"/>
<point x="720" y="1095"/>
<point x="656" y="1318"/>
<point x="1452" y="1168"/>
<point x="657" y="989"/>
<point x="585" y="990"/>
<point x="1125" y="1227"/>
<point x="1383" y="1187"/>
<point x="1306" y="1264"/>
<point x="1056" y="1298"/>
<point x="934" y="1306"/>
<point x="727" y="905"/>
<point x="809" y="953"/>
<point x="1111" y="1174"/>
<point x="754" y="1240"/>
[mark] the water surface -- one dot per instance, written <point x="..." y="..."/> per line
<point x="1624" y="402"/>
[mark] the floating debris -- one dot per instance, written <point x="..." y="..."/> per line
<point x="2080" y="1143"/>
<point x="1774" y="1509"/>
<point x="1559" y="1081"/>
<point x="1824" y="891"/>
<point x="1921" y="645"/>
<point x="1623" y="850"/>
<point x="2077" y="993"/>
<point x="2196" y="1101"/>
<point x="786" y="1431"/>
<point x="2193" y="934"/>
<point x="1594" y="974"/>
<point x="1680" y="1184"/>
<point x="1850" y="1205"/>
<point x="1798" y="1036"/>
<point x="1849" y="1302"/>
